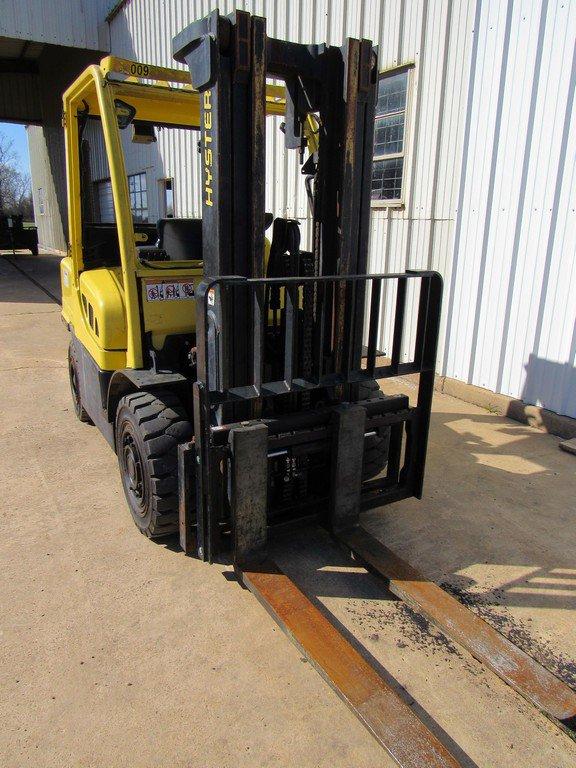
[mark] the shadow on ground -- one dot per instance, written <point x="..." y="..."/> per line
<point x="43" y="271"/>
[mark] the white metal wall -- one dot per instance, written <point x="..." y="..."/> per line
<point x="511" y="307"/>
<point x="490" y="163"/>
<point x="49" y="223"/>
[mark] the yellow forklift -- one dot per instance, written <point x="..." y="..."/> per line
<point x="129" y="291"/>
<point x="236" y="375"/>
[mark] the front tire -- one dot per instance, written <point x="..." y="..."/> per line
<point x="148" y="430"/>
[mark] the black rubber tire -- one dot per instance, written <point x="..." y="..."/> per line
<point x="149" y="428"/>
<point x="376" y="446"/>
<point x="34" y="250"/>
<point x="74" y="378"/>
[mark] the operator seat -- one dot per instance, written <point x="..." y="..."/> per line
<point x="181" y="238"/>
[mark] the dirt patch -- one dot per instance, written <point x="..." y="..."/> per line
<point x="515" y="630"/>
<point x="413" y="629"/>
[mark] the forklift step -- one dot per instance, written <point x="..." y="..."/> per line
<point x="374" y="702"/>
<point x="524" y="674"/>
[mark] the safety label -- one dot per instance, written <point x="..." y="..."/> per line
<point x="169" y="290"/>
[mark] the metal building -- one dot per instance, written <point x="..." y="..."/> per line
<point x="474" y="171"/>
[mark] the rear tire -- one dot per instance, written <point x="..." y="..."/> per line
<point x="148" y="430"/>
<point x="376" y="446"/>
<point x="74" y="376"/>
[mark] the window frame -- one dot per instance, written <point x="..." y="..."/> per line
<point x="163" y="190"/>
<point x="139" y="191"/>
<point x="398" y="202"/>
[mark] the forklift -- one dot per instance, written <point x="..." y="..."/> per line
<point x="236" y="374"/>
<point x="199" y="344"/>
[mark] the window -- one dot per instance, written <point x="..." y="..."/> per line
<point x="389" y="135"/>
<point x="167" y="189"/>
<point x="138" y="197"/>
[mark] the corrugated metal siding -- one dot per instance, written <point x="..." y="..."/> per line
<point x="490" y="164"/>
<point x="59" y="22"/>
<point x="512" y="304"/>
<point x="50" y="229"/>
<point x="174" y="155"/>
<point x="105" y="202"/>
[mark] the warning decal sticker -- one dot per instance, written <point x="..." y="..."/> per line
<point x="169" y="290"/>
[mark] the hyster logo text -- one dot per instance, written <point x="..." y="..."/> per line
<point x="208" y="147"/>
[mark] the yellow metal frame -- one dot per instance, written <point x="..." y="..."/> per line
<point x="160" y="95"/>
<point x="93" y="90"/>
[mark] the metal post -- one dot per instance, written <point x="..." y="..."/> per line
<point x="248" y="491"/>
<point x="187" y="497"/>
<point x="427" y="343"/>
<point x="347" y="455"/>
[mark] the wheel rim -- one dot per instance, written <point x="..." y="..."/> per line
<point x="133" y="472"/>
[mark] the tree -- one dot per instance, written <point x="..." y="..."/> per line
<point x="15" y="186"/>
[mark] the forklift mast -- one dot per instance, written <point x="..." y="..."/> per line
<point x="229" y="60"/>
<point x="279" y="426"/>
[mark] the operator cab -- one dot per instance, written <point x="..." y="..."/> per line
<point x="167" y="238"/>
<point x="166" y="258"/>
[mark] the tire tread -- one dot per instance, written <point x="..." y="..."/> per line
<point x="375" y="446"/>
<point x="163" y="424"/>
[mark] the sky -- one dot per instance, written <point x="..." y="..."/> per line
<point x="20" y="144"/>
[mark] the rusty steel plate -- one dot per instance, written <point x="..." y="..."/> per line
<point x="523" y="673"/>
<point x="393" y="723"/>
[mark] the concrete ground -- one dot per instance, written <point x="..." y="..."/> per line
<point x="116" y="651"/>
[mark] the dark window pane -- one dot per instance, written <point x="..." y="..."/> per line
<point x="387" y="179"/>
<point x="392" y="93"/>
<point x="389" y="135"/>
<point x="168" y="198"/>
